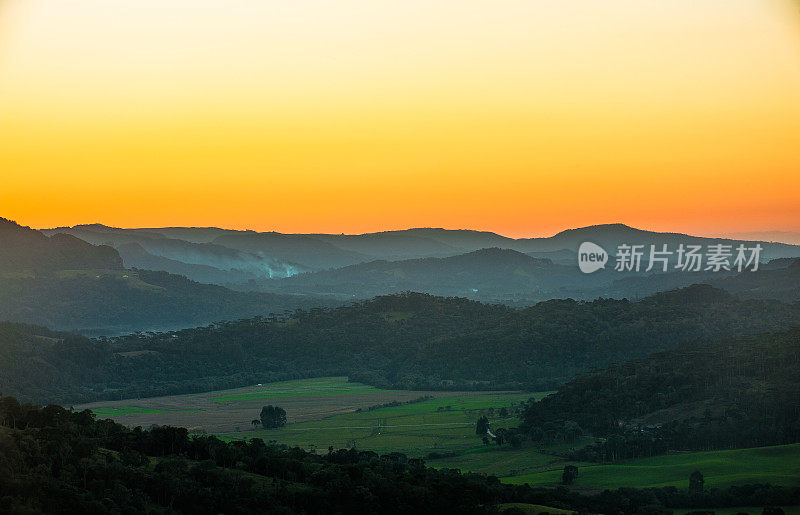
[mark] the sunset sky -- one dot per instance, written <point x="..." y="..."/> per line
<point x="520" y="117"/>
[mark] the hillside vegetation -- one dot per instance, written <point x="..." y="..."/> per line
<point x="103" y="302"/>
<point x="410" y="341"/>
<point x="721" y="394"/>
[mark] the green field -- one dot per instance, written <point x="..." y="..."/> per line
<point x="506" y="461"/>
<point x="442" y="424"/>
<point x="231" y="411"/>
<point x="779" y="465"/>
<point x="336" y="415"/>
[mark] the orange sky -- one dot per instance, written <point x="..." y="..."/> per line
<point x="520" y="117"/>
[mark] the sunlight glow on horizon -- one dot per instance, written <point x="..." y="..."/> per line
<point x="519" y="117"/>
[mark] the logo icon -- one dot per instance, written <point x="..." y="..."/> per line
<point x="591" y="257"/>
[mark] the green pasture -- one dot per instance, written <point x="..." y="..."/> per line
<point x="779" y="465"/>
<point x="506" y="461"/>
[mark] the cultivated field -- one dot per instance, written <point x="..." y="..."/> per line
<point x="231" y="411"/>
<point x="445" y="424"/>
<point x="330" y="411"/>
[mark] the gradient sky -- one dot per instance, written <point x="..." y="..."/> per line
<point x="521" y="117"/>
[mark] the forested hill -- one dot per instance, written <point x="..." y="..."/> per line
<point x="107" y="303"/>
<point x="27" y="251"/>
<point x="413" y="341"/>
<point x="702" y="395"/>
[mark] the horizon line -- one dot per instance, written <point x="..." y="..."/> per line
<point x="721" y="234"/>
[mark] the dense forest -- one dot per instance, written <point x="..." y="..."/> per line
<point x="722" y="394"/>
<point x="103" y="303"/>
<point x="57" y="461"/>
<point x="411" y="341"/>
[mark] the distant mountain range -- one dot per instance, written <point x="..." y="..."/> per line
<point x="474" y="264"/>
<point x="100" y="279"/>
<point x="277" y="255"/>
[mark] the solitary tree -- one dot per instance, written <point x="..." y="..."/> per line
<point x="696" y="482"/>
<point x="569" y="474"/>
<point x="255" y="422"/>
<point x="482" y="426"/>
<point x="272" y="417"/>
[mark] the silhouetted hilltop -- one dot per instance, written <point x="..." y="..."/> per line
<point x="485" y="274"/>
<point x="26" y="250"/>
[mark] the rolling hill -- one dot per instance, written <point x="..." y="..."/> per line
<point x="135" y="256"/>
<point x="410" y="341"/>
<point x="226" y="259"/>
<point x="65" y="283"/>
<point x="493" y="274"/>
<point x="27" y="251"/>
<point x="717" y="394"/>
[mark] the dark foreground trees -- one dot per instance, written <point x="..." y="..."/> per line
<point x="56" y="461"/>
